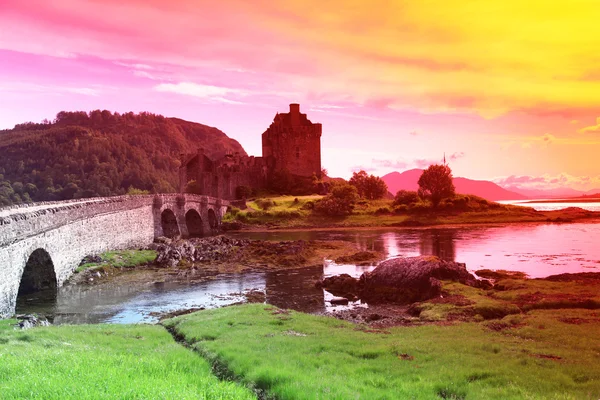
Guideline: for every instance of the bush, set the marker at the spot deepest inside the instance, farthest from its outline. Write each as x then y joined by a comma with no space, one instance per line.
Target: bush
405,197
134,191
368,186
383,210
265,204
402,208
309,205
340,202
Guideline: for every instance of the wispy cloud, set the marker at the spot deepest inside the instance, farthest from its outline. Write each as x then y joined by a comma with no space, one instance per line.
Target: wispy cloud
21,87
208,92
548,181
592,128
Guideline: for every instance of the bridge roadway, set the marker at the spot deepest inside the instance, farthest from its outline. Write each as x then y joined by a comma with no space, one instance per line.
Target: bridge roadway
43,243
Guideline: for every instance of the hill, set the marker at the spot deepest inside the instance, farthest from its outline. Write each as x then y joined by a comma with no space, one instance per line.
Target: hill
100,153
407,180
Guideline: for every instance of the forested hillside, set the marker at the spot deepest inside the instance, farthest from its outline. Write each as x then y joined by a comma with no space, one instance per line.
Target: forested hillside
99,153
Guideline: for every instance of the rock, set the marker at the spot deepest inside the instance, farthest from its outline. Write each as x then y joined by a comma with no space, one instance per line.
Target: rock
339,301
216,248
31,321
374,317
408,280
91,259
340,284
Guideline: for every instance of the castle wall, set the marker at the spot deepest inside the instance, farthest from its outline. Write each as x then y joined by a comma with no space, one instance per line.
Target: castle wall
297,150
292,143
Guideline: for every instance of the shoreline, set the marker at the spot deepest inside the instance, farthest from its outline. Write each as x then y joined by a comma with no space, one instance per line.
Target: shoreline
265,228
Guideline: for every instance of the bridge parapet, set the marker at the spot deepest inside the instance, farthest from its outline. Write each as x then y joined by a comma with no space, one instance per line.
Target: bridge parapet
68,231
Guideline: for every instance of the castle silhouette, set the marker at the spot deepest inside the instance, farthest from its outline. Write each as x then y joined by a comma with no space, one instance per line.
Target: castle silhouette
291,145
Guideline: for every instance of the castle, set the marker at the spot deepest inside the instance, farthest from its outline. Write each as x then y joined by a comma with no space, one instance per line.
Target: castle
292,144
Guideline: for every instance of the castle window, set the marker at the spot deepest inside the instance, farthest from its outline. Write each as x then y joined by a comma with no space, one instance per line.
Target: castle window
297,152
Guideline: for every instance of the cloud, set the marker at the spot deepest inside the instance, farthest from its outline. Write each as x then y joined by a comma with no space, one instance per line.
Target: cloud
394,164
24,87
84,91
456,156
345,51
413,133
526,145
574,122
548,138
357,168
547,181
145,74
401,164
593,128
208,92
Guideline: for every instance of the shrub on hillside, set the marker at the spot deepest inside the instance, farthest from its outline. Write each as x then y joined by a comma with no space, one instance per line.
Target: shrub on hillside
368,186
405,197
340,202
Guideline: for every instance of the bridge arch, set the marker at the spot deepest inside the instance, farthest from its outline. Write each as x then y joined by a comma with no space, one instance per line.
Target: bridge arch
39,273
168,221
193,222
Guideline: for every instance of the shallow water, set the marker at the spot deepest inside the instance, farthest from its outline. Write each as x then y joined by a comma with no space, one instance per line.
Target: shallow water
544,205
536,249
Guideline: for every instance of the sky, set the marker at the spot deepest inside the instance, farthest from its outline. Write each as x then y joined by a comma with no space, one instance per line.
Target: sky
509,91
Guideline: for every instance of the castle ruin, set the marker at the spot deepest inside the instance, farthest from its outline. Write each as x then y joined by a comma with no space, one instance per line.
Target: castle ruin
291,144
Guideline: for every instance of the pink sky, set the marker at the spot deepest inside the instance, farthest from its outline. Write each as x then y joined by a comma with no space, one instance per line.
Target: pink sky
509,91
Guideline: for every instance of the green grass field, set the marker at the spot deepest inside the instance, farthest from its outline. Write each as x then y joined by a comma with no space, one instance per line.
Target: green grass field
295,212
121,258
104,362
300,356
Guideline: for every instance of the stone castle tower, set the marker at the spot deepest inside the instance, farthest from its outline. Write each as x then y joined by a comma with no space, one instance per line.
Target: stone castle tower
293,143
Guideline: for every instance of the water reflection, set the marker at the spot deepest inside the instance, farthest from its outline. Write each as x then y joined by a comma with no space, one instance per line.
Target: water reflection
536,249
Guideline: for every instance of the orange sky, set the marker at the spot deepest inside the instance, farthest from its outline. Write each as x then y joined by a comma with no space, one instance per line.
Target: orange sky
511,89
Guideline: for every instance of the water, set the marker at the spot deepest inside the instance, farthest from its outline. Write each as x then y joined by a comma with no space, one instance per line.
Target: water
536,249
553,205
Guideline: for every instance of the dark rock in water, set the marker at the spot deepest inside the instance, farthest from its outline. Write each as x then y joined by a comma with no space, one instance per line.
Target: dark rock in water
407,280
339,301
30,321
339,284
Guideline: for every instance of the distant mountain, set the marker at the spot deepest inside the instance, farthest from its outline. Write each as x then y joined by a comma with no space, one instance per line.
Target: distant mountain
100,153
407,180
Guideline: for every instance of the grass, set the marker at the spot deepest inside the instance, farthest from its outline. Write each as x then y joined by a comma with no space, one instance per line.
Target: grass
291,212
300,356
121,259
104,362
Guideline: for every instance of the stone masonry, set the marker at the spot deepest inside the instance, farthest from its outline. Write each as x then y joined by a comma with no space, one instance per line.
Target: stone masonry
67,231
292,144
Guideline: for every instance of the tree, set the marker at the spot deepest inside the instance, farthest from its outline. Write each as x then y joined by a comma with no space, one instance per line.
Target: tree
368,186
436,183
340,202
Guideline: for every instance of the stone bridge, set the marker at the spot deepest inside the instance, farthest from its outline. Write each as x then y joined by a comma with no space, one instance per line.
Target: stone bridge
42,244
